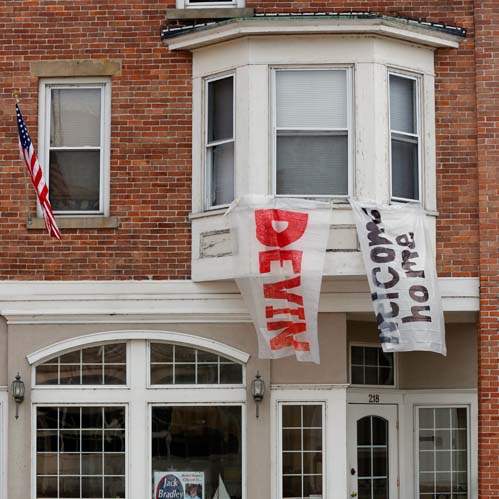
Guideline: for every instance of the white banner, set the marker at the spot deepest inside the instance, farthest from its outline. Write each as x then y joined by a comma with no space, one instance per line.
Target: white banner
396,248
279,259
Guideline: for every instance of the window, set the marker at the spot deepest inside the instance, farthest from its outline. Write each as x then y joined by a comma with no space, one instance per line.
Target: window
181,4
405,141
302,450
99,365
219,141
74,149
174,364
311,132
199,445
80,452
369,365
87,401
443,458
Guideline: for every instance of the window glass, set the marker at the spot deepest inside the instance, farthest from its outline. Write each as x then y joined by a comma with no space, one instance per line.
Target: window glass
100,365
198,450
443,452
80,452
371,366
404,138
75,148
302,450
311,129
220,141
174,364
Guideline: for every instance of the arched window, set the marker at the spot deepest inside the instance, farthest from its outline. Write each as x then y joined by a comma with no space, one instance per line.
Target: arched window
108,404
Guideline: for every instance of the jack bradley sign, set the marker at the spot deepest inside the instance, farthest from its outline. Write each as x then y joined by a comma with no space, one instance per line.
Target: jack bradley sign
401,272
279,259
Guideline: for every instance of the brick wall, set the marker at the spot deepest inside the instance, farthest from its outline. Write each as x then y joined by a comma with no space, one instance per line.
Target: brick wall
150,158
487,84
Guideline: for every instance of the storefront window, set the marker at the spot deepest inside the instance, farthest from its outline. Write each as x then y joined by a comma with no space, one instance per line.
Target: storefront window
197,452
80,452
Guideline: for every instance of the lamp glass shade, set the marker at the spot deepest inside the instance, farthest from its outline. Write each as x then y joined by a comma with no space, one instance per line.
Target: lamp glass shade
258,388
18,389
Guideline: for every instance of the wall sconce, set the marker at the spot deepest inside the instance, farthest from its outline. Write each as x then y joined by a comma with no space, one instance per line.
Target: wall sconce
18,389
257,390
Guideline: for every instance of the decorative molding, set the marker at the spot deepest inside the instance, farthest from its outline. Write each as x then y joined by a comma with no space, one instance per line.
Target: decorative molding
255,26
120,301
172,337
76,67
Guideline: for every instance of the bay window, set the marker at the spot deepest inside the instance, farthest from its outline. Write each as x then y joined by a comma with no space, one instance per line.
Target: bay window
219,141
405,138
311,132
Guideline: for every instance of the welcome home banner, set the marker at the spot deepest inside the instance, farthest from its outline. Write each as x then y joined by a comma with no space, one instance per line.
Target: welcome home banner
279,259
395,245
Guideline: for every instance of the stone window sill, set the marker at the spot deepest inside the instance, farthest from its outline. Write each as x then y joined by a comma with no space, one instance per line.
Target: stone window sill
76,223
207,13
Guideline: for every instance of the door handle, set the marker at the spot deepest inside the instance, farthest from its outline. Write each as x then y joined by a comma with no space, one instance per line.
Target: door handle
353,494
352,471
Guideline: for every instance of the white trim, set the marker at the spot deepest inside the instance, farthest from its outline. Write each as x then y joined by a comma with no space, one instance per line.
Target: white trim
172,337
4,440
76,302
104,84
334,399
391,28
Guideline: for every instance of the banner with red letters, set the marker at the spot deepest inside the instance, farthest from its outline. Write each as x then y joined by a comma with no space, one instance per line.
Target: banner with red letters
397,252
280,246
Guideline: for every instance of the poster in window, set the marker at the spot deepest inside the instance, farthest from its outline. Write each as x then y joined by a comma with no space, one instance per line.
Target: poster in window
178,485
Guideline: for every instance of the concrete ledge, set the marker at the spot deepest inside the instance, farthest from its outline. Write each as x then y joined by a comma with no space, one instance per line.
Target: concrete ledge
208,13
76,223
76,67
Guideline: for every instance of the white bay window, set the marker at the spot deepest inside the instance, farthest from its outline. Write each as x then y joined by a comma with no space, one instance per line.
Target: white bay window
405,138
311,132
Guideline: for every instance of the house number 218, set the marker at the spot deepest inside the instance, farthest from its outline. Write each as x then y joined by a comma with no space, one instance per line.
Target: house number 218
374,398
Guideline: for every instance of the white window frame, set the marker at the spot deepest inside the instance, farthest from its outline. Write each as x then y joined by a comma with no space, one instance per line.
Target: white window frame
333,398
44,116
138,396
468,438
206,144
349,129
418,80
371,345
35,406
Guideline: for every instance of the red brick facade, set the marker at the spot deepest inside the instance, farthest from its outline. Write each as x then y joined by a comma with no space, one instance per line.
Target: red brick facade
151,153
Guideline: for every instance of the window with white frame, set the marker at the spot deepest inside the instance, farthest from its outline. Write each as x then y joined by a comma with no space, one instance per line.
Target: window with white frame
82,445
442,452
312,132
369,365
74,146
220,141
80,452
302,450
405,138
181,4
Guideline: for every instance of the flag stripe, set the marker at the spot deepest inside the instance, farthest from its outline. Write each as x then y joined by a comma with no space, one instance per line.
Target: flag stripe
28,154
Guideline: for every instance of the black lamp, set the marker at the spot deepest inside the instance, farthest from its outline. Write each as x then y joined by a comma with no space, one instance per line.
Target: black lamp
257,390
18,389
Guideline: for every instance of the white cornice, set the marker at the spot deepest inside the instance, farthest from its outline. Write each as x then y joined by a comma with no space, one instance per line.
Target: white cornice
256,26
26,302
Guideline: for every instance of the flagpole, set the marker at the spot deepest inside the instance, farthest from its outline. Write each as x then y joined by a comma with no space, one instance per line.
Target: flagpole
16,95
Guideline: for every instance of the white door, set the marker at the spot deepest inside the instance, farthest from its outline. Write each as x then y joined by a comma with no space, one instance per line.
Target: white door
372,451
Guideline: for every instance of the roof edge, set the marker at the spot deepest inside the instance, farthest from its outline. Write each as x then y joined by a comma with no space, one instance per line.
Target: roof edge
196,36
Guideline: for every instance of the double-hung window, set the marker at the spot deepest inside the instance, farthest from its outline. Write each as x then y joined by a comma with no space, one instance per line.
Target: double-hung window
219,150
75,129
405,138
311,132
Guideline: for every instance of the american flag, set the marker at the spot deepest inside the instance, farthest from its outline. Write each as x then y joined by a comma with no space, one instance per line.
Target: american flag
28,154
